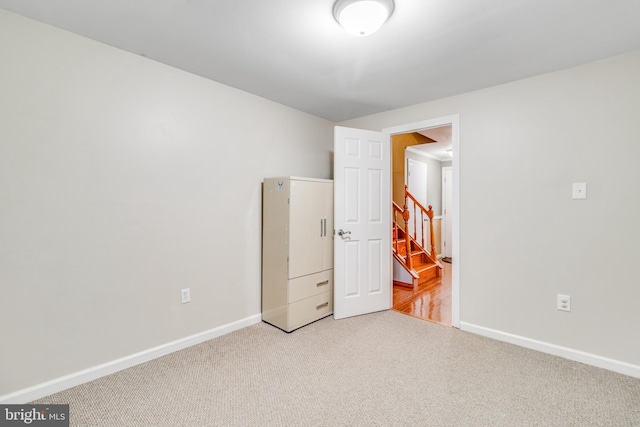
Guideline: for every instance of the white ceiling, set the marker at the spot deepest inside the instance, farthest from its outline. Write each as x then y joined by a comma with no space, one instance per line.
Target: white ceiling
442,145
294,52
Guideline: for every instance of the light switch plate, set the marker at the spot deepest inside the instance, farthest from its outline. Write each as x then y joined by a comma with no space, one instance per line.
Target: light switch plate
564,302
185,295
579,190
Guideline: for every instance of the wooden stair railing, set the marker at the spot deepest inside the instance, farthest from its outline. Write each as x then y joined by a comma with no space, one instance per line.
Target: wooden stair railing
403,239
410,241
417,207
397,231
396,210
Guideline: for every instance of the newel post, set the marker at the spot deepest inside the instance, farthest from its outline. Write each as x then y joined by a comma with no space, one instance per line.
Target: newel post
433,247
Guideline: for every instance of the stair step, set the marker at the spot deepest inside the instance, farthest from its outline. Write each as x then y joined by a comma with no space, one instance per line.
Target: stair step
427,273
424,267
420,262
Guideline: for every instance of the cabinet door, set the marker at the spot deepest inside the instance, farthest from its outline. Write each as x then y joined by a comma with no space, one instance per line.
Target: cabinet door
327,244
305,228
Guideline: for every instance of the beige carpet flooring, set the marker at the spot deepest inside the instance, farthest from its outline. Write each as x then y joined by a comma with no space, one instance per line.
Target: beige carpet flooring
382,369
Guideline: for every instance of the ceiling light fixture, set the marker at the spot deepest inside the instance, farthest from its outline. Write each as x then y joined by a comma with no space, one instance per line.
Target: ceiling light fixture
362,17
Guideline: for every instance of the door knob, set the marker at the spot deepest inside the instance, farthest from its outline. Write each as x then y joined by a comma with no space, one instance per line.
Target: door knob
343,233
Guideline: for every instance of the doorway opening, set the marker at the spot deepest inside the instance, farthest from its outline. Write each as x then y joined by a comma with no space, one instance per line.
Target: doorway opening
424,165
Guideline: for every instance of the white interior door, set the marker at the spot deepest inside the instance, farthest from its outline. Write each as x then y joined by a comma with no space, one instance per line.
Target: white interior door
416,181
362,220
447,210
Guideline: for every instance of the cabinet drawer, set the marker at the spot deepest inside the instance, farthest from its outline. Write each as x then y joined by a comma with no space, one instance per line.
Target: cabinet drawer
308,286
310,309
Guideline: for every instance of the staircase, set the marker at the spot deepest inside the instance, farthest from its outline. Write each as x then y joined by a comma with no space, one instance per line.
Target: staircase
409,250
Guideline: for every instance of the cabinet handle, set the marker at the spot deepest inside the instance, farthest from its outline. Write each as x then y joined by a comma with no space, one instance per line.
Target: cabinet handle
326,282
320,227
323,305
324,221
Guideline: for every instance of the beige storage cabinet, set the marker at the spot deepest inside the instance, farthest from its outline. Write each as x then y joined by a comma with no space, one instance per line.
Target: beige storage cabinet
297,251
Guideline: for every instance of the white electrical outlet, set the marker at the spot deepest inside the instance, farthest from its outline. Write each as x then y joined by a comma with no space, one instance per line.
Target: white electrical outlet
564,302
186,295
579,190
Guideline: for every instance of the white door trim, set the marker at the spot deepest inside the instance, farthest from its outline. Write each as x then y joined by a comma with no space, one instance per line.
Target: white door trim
454,121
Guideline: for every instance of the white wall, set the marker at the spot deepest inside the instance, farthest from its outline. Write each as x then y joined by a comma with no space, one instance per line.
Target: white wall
522,238
122,181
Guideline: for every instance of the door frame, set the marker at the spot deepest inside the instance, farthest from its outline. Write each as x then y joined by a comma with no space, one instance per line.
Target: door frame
454,121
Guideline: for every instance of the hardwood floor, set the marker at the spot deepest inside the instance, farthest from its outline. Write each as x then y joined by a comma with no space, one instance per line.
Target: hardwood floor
431,301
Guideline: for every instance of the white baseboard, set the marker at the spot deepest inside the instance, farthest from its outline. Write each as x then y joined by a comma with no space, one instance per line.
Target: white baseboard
56,385
556,350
